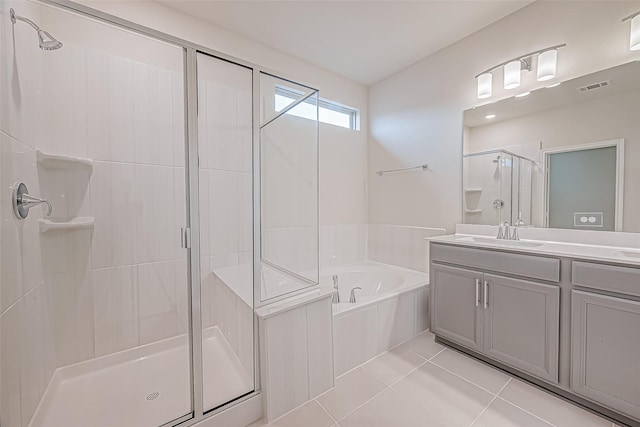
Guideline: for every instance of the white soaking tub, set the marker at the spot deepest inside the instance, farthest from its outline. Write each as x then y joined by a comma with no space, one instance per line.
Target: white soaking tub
392,307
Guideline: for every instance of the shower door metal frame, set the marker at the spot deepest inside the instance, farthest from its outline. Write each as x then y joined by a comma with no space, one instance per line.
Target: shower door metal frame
190,52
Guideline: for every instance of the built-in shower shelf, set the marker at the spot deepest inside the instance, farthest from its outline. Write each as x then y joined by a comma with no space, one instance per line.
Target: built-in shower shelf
78,223
473,211
54,161
473,190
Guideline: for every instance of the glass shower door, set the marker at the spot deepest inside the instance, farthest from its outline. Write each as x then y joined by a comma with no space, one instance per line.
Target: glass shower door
226,229
100,286
289,186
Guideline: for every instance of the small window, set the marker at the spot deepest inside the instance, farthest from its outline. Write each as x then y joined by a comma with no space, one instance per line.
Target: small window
328,111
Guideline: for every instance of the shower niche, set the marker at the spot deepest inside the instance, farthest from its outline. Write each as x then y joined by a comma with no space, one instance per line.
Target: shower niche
497,187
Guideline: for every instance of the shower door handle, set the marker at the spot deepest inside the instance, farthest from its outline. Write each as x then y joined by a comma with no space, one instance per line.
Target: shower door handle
185,238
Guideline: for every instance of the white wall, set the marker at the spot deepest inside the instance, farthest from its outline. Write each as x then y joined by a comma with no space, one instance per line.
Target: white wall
416,114
343,152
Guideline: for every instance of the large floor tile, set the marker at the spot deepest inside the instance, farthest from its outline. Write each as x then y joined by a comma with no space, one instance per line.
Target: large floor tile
423,345
310,414
443,395
390,408
548,407
351,390
482,375
503,414
389,367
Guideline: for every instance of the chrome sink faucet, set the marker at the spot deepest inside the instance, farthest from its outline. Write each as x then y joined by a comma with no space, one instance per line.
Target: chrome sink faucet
514,235
335,298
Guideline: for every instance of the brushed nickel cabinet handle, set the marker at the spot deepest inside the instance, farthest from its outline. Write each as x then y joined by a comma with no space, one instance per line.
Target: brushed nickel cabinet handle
486,293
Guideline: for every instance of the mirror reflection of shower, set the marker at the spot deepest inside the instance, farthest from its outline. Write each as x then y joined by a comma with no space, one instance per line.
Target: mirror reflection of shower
46,40
497,188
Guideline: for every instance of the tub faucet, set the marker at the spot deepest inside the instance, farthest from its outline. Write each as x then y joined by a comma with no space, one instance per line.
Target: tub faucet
352,298
335,298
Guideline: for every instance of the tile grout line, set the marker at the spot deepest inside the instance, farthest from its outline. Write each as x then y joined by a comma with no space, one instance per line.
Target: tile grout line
469,381
495,396
415,369
367,401
325,410
387,386
524,410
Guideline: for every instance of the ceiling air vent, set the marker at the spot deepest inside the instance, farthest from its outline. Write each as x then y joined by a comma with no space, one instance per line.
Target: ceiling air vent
594,86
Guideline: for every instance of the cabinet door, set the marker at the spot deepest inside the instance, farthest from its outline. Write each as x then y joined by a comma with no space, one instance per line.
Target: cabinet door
455,305
522,321
605,351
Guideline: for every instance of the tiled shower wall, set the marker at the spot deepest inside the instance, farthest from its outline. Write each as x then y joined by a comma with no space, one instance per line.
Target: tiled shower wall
389,244
67,296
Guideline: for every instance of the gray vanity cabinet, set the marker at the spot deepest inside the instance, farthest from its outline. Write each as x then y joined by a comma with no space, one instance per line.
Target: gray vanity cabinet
522,321
455,305
514,321
605,350
511,320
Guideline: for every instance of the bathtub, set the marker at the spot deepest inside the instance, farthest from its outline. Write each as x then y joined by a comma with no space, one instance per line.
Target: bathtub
391,308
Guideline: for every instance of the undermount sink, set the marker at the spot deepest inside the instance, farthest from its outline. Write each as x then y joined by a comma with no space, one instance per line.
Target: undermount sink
499,242
627,254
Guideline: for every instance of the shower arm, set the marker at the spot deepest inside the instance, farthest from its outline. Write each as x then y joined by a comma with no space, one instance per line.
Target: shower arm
15,18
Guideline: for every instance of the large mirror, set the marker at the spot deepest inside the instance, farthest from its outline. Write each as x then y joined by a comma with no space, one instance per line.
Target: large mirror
565,156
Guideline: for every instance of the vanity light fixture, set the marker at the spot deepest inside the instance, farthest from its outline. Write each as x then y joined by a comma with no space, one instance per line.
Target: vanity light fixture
490,116
547,63
634,37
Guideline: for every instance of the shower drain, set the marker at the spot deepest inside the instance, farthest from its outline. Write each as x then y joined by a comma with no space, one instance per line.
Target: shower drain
153,396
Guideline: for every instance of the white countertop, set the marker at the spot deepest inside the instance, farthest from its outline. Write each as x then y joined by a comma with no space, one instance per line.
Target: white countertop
617,254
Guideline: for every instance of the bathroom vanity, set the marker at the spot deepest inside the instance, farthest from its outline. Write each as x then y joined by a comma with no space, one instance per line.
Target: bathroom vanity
563,316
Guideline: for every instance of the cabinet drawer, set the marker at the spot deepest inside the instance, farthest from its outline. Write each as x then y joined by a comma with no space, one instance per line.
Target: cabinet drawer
613,278
535,267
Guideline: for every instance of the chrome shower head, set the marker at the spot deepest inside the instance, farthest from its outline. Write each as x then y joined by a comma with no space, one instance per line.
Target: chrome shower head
496,160
46,40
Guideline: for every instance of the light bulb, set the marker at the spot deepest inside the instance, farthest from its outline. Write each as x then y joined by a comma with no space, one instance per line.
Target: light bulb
634,41
485,82
512,75
547,62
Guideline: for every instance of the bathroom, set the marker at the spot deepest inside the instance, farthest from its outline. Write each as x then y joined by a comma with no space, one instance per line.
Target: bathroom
210,220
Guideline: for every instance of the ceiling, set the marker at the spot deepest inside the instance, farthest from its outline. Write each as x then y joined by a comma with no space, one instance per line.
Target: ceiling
362,40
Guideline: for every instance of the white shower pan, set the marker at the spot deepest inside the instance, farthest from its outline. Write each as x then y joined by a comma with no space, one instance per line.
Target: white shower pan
157,391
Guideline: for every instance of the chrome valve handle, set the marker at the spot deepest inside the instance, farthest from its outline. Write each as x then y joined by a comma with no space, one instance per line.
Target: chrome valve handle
23,201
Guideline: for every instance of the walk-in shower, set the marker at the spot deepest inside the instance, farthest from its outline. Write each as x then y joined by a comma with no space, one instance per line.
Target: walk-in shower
497,187
46,40
132,304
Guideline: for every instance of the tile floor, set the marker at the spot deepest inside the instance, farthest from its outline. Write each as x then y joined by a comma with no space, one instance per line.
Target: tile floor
421,383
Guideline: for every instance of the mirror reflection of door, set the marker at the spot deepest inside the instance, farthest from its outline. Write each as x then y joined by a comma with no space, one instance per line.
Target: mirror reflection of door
582,186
